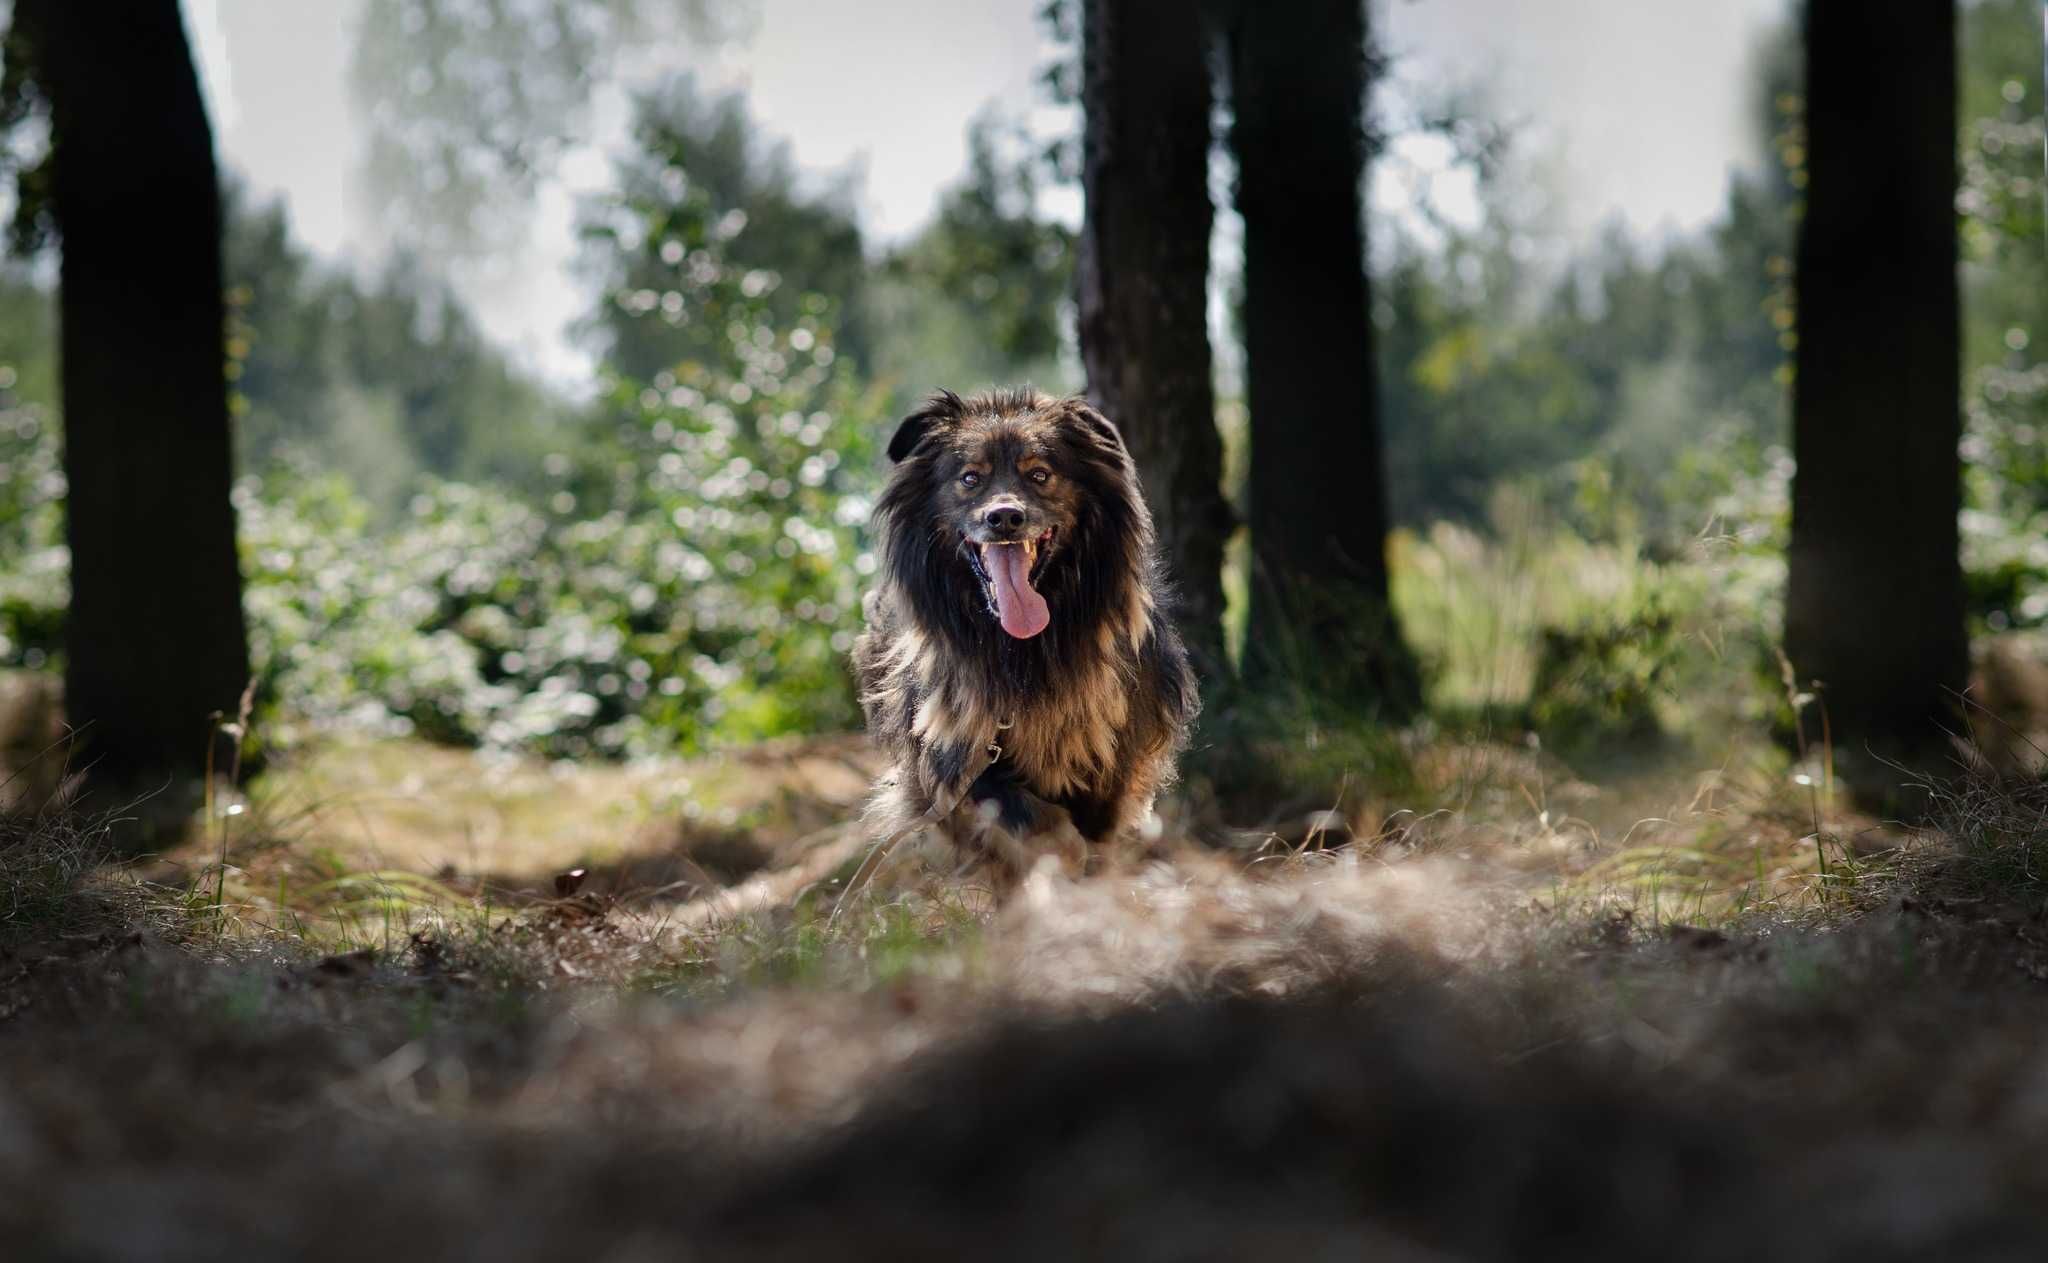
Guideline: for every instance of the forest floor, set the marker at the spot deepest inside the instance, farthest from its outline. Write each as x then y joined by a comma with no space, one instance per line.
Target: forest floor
460,1005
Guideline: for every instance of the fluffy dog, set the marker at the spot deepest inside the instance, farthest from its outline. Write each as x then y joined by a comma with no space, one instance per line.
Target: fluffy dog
1019,665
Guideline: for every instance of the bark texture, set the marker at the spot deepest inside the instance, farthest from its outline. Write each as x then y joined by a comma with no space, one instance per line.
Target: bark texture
155,642
1144,271
1874,600
1316,495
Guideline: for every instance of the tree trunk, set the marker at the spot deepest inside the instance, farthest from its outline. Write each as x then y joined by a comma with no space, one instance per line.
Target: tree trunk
155,643
1144,276
1874,598
1316,495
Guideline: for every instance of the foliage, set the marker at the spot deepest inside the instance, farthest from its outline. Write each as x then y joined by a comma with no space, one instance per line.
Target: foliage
25,152
33,559
754,462
1657,375
1642,399
692,579
709,157
692,576
1528,622
34,581
1466,400
383,380
984,294
1604,679
2005,401
471,102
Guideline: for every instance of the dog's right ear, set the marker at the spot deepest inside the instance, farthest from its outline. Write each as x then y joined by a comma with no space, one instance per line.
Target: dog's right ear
1086,418
939,411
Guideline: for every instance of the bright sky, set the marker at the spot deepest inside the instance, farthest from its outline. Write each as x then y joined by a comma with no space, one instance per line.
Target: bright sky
1641,100
1644,101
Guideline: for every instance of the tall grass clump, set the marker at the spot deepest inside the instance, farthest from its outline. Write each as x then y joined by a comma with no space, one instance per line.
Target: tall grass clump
49,863
1998,829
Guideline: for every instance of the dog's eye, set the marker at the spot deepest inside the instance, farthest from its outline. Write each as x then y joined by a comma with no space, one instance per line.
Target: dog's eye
970,479
1040,476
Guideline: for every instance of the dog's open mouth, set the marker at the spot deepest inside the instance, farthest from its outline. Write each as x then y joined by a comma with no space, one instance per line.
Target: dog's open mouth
1006,570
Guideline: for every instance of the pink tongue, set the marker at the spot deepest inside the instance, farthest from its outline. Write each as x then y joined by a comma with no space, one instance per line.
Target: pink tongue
1018,604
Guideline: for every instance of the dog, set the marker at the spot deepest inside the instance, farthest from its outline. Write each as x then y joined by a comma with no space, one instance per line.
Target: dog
1020,667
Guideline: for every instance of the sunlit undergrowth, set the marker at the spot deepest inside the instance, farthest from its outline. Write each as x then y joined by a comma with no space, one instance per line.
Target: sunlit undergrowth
728,875
1501,859
1536,628
683,572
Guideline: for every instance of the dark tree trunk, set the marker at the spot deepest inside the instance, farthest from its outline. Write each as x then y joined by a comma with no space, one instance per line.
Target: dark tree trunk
1874,599
1316,497
154,637
1144,274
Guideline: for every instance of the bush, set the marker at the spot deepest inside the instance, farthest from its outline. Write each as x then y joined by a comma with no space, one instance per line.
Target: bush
34,562
1604,679
692,577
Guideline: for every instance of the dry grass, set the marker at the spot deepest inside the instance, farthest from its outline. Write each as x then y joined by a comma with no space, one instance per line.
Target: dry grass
1690,1012
1477,607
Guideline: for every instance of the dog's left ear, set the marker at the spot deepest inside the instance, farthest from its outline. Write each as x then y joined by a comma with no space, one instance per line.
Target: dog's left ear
1083,417
941,409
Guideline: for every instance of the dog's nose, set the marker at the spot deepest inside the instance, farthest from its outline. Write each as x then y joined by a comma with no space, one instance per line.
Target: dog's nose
1005,519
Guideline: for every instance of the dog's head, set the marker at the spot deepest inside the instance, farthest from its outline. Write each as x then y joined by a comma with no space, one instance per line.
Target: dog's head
1019,491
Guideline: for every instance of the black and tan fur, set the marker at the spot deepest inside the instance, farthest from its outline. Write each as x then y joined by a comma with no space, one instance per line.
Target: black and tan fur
1097,705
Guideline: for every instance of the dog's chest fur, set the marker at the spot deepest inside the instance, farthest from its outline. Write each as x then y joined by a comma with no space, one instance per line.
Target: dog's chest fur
1061,743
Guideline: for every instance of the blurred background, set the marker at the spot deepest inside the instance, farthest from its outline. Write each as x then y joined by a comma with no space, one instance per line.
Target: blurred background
560,333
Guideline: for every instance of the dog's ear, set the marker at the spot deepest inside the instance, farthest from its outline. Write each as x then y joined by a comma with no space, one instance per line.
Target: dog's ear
1083,417
939,411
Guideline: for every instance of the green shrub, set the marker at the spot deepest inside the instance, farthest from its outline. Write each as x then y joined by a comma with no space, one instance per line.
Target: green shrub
34,563
1604,679
693,576
694,580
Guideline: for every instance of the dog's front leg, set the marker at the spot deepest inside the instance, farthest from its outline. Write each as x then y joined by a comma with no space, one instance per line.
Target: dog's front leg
1014,826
